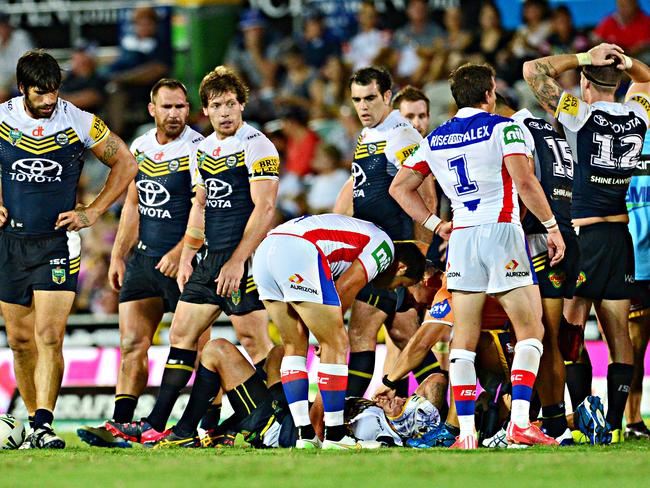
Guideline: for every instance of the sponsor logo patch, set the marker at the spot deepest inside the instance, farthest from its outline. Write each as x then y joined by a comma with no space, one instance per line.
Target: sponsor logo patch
266,167
512,265
58,275
62,139
15,136
512,134
235,297
98,129
383,256
569,104
440,310
296,278
556,278
581,279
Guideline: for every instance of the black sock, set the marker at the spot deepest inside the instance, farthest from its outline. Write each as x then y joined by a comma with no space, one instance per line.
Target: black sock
210,419
428,366
360,369
30,419
42,417
178,371
306,432
402,389
578,380
205,388
554,419
335,432
619,377
277,394
259,368
453,430
124,408
247,396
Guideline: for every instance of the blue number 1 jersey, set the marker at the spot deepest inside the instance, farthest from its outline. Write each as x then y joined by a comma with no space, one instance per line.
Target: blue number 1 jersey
41,162
638,208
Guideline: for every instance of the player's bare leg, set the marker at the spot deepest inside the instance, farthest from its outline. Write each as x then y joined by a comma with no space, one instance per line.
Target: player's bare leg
19,322
639,335
365,321
190,321
252,331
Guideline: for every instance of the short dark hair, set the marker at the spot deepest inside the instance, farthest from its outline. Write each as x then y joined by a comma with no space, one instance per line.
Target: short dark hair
469,83
410,255
410,94
221,80
365,76
38,69
603,78
170,83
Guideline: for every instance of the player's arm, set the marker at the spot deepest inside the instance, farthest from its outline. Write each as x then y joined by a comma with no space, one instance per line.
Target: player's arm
533,196
263,194
540,73
344,205
349,284
127,236
116,155
194,237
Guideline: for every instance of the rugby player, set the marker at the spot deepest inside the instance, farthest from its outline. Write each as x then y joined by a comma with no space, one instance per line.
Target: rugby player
413,105
43,140
295,269
554,168
236,185
386,140
481,162
153,221
606,140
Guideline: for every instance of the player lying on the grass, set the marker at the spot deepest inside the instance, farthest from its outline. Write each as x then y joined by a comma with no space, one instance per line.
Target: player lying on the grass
295,268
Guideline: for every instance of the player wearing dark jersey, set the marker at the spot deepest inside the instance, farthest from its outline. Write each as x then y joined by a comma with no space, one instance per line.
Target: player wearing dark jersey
606,140
385,141
554,169
236,185
152,225
42,143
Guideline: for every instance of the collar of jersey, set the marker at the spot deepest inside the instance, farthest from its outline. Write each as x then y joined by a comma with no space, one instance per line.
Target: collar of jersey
522,114
469,112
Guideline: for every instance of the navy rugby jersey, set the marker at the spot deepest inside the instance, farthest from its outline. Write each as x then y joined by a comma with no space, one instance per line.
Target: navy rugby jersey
606,140
378,156
41,162
164,184
225,168
553,167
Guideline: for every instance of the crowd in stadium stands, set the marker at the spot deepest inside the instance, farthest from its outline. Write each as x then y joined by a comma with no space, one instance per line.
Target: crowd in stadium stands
299,86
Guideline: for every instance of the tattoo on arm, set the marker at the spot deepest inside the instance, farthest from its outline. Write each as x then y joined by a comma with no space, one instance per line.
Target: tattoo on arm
110,149
546,89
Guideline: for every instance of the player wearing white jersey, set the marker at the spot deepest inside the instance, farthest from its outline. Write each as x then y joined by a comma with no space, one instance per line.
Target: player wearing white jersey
152,225
308,271
481,162
42,143
606,140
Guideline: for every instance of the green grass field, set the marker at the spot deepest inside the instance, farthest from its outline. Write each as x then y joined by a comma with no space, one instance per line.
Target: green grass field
79,465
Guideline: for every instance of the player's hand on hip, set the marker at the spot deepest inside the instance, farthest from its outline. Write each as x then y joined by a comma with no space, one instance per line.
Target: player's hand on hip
444,230
4,215
605,54
556,246
168,264
185,270
77,219
229,277
116,272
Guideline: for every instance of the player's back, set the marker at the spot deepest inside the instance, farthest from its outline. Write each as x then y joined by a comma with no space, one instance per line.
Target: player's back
466,155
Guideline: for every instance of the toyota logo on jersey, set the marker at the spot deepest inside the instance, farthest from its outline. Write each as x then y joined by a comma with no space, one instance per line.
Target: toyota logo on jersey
217,189
152,193
36,170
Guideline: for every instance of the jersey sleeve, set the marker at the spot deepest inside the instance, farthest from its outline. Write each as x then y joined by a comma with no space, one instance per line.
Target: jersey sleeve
511,139
419,159
377,256
639,103
572,112
401,144
92,129
262,160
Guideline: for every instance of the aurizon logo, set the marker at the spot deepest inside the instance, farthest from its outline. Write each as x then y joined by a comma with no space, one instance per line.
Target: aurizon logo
512,265
297,279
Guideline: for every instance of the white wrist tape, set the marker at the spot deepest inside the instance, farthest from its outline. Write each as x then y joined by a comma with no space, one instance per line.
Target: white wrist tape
584,59
550,223
628,62
431,222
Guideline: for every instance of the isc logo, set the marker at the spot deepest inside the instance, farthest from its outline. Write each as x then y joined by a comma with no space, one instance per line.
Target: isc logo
58,262
467,393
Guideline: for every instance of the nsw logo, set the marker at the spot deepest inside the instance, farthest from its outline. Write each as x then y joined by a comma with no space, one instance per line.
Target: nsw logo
36,170
152,193
440,309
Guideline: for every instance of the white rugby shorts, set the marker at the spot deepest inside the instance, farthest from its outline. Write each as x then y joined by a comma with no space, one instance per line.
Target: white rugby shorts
490,258
291,269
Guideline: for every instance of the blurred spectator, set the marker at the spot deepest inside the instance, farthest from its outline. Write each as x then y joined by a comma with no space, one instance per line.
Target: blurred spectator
365,46
298,76
491,43
329,90
416,36
565,39
13,43
82,85
326,182
629,27
317,43
142,60
301,140
533,32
